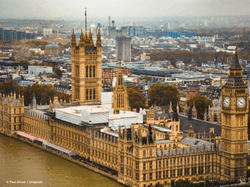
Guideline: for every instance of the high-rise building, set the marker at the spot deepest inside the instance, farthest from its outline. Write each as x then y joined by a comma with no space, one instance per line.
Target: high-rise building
1,34
20,35
8,35
13,35
234,114
123,48
170,25
47,31
86,67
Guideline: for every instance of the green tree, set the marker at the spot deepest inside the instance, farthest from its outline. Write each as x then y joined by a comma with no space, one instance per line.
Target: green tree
199,62
58,72
25,64
43,93
201,104
9,87
163,94
136,98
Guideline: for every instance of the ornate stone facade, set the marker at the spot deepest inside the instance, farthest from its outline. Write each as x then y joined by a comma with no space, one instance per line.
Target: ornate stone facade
86,67
120,95
234,114
11,113
142,155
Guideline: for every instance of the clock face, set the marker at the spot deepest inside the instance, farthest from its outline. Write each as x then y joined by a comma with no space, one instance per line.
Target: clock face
241,102
226,102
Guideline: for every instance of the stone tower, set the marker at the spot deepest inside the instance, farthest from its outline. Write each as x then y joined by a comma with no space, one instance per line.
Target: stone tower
120,96
194,112
86,67
11,113
137,149
234,114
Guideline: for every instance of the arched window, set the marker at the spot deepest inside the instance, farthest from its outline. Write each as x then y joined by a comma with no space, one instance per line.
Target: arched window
118,97
87,94
90,93
93,71
94,92
87,71
90,71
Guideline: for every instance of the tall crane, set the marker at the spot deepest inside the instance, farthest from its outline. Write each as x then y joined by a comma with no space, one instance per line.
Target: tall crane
215,58
222,64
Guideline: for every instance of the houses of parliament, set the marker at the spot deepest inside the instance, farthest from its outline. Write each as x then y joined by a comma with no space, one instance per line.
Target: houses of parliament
111,135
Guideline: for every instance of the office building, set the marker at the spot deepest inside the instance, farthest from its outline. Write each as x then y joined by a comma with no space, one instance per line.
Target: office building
123,48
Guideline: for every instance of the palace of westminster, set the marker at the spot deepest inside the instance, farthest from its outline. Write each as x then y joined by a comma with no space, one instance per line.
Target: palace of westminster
110,135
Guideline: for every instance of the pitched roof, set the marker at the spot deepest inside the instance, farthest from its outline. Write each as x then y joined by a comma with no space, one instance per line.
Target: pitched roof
199,125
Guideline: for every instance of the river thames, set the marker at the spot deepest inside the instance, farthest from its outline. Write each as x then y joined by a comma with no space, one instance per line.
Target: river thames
16,169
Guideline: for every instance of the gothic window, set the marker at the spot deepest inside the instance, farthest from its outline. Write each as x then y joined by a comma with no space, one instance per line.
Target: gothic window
137,164
87,71
118,98
14,111
93,71
144,153
144,165
87,94
90,71
122,170
122,100
90,94
19,110
150,165
94,93
77,93
77,71
137,176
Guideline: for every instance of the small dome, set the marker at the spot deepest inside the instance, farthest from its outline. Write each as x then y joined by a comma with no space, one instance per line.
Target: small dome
52,46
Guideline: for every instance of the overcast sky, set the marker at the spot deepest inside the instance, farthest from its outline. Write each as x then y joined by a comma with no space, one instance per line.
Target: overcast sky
71,9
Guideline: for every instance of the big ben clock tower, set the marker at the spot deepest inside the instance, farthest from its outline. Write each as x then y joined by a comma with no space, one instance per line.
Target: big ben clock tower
234,114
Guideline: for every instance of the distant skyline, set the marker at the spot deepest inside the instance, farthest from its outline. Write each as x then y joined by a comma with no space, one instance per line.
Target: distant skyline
65,9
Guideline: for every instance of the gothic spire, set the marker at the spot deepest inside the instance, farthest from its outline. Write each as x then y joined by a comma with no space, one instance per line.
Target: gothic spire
81,36
235,73
235,63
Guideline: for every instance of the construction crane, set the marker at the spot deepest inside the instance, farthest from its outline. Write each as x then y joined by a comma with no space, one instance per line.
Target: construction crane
215,58
222,63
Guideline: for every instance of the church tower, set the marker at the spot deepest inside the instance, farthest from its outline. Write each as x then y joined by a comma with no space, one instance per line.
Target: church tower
86,67
120,95
234,113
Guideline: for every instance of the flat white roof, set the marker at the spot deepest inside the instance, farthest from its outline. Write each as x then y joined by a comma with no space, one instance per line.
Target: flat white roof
91,108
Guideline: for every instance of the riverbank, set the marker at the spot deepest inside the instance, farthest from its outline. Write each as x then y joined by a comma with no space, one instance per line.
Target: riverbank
85,165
